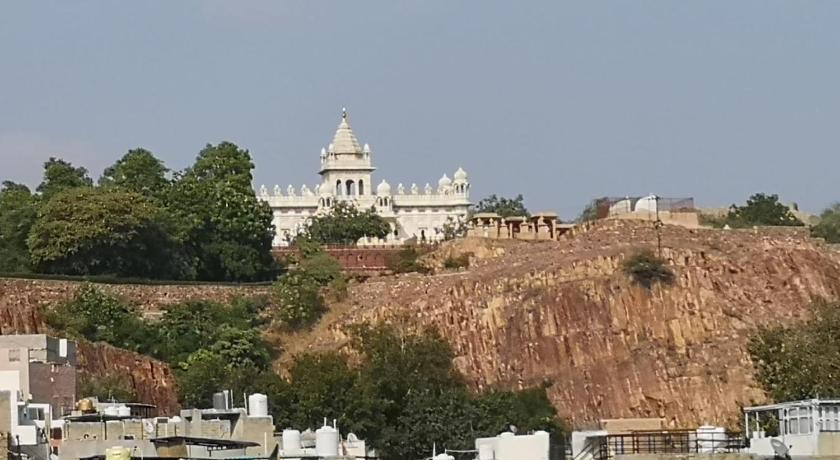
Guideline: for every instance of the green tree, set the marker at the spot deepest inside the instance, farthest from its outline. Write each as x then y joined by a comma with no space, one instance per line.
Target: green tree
92,231
645,268
326,386
404,394
759,210
222,224
61,175
238,361
99,317
504,207
187,327
137,171
299,299
829,226
201,375
18,211
299,293
800,361
345,224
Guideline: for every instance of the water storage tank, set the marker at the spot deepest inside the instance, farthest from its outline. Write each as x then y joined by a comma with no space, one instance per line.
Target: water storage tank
123,411
710,439
485,452
326,441
258,405
118,453
506,447
219,401
112,410
291,441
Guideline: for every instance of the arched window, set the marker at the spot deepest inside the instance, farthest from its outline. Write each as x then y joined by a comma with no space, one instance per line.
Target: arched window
338,188
361,187
351,187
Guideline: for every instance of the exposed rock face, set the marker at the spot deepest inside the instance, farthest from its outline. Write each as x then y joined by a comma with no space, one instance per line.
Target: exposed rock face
21,303
565,312
152,380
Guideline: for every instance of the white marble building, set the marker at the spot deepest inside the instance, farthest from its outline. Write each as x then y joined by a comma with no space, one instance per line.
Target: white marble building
346,175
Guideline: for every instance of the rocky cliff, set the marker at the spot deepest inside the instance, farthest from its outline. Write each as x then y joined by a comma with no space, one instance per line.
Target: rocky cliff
564,312
21,307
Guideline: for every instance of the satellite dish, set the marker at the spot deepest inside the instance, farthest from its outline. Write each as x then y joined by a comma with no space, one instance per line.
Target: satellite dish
780,449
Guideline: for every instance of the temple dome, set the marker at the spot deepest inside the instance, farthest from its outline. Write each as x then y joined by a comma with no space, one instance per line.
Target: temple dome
383,188
460,175
444,181
345,141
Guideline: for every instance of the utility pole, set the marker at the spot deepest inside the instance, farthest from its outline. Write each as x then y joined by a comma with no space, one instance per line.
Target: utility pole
658,226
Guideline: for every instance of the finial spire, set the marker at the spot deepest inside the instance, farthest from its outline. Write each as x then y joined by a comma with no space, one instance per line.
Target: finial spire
344,113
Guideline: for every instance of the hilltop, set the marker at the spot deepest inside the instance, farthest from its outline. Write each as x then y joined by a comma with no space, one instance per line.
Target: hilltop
564,312
561,312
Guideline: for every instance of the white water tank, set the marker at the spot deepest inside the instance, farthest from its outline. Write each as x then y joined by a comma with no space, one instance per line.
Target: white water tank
258,405
118,453
112,410
710,439
485,452
123,411
326,441
291,441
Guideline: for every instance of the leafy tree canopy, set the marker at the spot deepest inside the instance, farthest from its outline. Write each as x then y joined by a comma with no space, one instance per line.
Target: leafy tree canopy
61,175
645,268
298,293
800,361
96,316
829,225
403,395
93,231
223,225
504,207
211,346
137,171
18,211
227,163
759,210
345,224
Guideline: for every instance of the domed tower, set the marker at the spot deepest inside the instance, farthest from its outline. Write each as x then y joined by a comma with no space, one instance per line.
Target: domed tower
383,195
461,182
444,184
346,168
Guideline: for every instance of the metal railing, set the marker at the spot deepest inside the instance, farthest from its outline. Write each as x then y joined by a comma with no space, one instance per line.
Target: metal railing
668,442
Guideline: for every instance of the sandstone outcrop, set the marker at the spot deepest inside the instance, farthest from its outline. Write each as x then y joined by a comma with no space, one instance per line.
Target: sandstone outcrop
21,312
152,380
564,312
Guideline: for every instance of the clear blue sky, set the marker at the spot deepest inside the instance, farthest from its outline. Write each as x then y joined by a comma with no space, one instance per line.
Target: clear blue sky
559,101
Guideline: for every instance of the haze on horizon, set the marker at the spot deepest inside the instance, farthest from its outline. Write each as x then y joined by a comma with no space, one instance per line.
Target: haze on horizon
559,101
